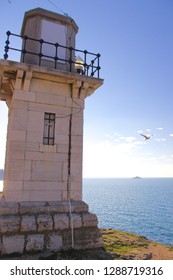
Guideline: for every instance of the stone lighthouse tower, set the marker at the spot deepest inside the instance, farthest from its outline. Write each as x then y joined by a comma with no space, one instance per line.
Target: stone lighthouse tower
45,92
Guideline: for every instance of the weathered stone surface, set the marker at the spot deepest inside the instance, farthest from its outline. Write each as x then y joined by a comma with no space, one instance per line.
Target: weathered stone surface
44,222
67,239
79,206
35,242
58,206
64,206
89,238
54,242
8,209
47,225
13,244
28,223
9,223
89,220
37,207
61,221
75,221
31,207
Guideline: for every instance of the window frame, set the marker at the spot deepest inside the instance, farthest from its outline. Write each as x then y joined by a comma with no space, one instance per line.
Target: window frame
49,129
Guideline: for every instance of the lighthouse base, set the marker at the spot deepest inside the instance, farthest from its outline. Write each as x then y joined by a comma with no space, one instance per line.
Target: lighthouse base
31,227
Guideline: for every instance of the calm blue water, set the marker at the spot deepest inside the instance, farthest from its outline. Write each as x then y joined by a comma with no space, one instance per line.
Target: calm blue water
141,206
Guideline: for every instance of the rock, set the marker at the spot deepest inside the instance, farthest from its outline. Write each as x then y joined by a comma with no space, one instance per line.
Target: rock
13,244
35,243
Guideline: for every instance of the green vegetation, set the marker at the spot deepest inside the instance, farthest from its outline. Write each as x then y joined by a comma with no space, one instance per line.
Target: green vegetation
171,248
123,244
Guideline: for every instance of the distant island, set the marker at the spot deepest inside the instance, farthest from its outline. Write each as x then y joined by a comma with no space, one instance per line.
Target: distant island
136,177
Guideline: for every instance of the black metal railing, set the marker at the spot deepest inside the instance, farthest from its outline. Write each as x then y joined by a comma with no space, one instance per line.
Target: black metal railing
88,65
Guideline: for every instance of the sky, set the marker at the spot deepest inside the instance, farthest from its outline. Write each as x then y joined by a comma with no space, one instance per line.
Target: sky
134,38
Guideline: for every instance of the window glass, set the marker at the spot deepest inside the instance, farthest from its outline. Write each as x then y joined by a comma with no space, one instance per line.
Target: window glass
49,129
54,33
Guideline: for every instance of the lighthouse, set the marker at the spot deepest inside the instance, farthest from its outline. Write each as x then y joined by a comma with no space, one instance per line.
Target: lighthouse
45,93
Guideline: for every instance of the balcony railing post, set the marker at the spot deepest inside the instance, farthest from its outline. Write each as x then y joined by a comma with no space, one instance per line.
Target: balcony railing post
92,68
98,65
24,48
85,62
56,54
6,49
70,59
40,53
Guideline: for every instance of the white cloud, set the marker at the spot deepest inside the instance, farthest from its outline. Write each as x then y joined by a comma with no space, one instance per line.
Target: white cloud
171,134
160,139
116,137
116,134
159,128
128,139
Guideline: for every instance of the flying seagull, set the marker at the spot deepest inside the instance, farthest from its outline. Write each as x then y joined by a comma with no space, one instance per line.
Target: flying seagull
146,137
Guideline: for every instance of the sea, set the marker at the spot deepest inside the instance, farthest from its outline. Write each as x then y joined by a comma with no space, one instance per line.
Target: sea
140,206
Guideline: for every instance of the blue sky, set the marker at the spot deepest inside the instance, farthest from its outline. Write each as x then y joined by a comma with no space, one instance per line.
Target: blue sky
134,38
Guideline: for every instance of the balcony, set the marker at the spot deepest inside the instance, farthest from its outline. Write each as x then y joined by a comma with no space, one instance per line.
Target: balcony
53,55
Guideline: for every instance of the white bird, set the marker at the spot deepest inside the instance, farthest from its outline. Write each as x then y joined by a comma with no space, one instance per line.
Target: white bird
146,137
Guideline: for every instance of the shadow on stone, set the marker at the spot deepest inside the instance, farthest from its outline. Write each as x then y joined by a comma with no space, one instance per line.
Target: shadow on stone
97,254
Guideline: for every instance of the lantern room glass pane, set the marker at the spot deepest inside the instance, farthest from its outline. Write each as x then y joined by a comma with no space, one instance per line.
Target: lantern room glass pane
53,33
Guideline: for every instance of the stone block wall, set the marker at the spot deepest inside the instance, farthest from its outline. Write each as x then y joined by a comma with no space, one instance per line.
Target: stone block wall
31,165
35,170
29,227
